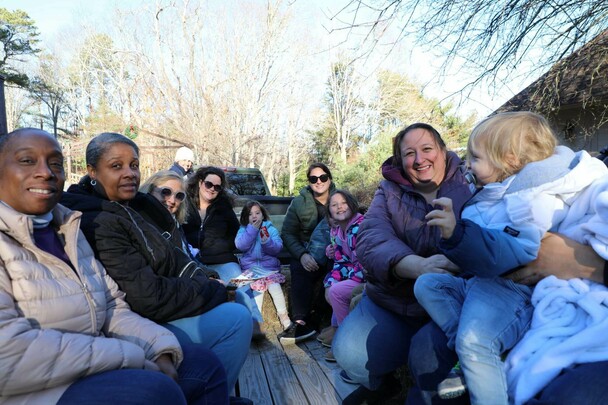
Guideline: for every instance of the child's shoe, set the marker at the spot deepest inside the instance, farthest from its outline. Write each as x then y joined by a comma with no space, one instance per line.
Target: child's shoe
285,321
329,357
327,338
454,385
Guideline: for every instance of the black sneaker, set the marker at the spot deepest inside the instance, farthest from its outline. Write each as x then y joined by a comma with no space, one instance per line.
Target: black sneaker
296,333
389,388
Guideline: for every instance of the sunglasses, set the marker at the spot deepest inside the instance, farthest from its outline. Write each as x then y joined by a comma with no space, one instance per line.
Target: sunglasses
209,185
314,179
167,192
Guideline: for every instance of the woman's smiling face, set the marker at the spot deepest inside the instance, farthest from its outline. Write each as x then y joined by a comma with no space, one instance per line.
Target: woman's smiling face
31,172
171,202
423,160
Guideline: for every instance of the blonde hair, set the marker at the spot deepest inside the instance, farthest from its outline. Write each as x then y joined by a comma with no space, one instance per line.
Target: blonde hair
162,177
524,135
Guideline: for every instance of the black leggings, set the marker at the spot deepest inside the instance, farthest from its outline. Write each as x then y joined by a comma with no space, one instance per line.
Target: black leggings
306,291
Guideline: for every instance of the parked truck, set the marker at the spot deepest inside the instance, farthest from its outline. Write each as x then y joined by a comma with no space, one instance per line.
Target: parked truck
249,184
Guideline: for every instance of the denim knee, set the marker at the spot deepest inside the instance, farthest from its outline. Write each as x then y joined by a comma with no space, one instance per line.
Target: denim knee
423,284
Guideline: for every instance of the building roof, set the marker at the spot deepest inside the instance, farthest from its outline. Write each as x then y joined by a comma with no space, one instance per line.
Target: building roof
581,79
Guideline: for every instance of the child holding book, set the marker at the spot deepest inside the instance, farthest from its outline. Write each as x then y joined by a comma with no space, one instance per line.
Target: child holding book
261,243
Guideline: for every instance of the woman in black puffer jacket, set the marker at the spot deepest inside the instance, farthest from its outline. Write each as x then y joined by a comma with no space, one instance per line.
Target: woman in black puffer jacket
145,265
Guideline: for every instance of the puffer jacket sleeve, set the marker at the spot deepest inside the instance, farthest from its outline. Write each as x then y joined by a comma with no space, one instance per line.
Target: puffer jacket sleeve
158,295
290,232
246,237
274,244
124,324
49,357
379,248
496,252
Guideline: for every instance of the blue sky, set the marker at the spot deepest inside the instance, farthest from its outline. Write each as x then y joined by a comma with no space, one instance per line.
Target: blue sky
51,16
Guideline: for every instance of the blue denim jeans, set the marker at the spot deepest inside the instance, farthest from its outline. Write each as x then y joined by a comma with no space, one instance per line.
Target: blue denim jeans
226,330
482,318
202,380
372,342
244,295
430,360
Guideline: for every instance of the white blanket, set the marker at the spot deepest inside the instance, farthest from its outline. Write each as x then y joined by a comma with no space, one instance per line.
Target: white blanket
569,326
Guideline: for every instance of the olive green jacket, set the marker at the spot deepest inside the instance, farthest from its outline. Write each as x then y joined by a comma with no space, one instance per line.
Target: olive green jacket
300,221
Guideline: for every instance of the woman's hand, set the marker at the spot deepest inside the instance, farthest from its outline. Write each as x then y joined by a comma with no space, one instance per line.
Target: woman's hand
443,217
564,258
165,365
308,262
413,266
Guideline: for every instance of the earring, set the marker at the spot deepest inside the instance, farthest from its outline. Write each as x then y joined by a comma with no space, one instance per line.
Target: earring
93,182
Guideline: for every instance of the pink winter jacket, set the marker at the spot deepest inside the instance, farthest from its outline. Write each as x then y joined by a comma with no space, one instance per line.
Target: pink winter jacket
58,324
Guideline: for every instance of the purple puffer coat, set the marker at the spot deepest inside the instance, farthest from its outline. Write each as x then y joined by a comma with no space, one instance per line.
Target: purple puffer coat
394,227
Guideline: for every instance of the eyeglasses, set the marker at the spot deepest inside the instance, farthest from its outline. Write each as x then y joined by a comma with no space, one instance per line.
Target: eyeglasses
314,179
167,192
209,185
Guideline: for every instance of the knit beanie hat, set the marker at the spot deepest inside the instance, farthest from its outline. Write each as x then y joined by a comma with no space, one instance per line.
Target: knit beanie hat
184,153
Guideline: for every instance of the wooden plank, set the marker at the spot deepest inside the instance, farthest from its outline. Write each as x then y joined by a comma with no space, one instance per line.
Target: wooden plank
313,380
282,381
252,379
331,370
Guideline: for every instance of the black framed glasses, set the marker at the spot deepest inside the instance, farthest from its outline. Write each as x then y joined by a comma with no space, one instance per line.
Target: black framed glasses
209,185
167,192
314,179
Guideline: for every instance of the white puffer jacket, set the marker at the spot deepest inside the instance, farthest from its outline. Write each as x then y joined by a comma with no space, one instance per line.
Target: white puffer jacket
58,324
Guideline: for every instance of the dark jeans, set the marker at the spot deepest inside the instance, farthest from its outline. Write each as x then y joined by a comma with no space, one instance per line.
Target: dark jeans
372,342
202,380
306,291
430,360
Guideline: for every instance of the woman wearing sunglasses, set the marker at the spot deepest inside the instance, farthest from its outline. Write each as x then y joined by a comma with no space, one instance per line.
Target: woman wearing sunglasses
168,188
303,215
154,272
214,229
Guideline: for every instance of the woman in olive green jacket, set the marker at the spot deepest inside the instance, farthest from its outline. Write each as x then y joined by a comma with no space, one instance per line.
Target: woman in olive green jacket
303,215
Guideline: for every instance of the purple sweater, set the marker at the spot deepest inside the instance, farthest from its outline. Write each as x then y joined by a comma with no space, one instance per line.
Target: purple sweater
395,227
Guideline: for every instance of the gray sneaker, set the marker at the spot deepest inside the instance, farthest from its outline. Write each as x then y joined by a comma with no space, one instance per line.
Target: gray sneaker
454,385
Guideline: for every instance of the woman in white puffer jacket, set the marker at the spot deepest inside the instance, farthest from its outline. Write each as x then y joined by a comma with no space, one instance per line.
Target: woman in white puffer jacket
66,333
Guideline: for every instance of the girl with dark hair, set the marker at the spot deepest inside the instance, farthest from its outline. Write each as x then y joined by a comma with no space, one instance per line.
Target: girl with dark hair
303,215
260,243
347,272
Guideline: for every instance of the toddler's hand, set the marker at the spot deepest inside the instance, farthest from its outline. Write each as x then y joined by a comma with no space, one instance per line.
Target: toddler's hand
443,217
257,223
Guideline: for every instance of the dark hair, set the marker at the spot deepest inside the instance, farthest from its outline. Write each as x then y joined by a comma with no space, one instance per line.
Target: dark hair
247,209
351,201
320,166
397,158
199,175
102,142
